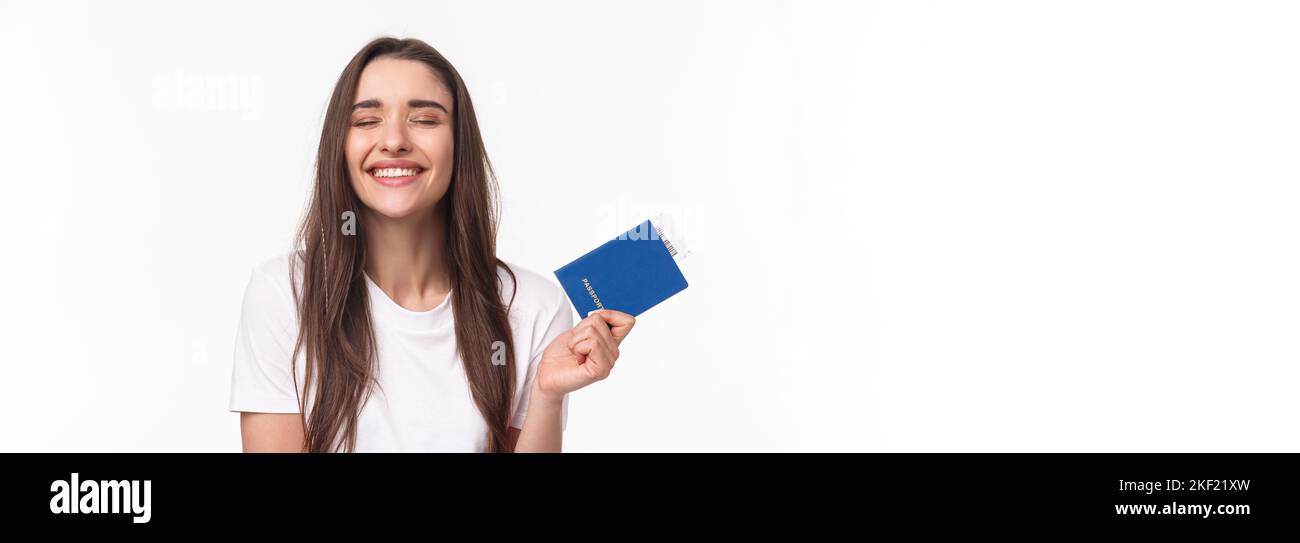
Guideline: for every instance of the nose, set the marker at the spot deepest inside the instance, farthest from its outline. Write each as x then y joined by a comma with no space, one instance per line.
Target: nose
396,141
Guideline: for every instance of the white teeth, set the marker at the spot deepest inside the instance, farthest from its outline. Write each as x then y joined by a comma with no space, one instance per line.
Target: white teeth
394,172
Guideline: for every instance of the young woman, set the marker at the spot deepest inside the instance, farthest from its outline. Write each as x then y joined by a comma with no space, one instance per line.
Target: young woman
394,326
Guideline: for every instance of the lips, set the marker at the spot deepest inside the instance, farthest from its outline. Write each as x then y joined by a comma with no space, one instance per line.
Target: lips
394,173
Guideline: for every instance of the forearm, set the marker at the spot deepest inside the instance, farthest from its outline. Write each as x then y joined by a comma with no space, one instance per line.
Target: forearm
541,431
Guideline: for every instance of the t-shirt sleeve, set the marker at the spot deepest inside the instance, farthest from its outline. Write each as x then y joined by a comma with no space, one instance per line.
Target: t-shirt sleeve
262,379
552,323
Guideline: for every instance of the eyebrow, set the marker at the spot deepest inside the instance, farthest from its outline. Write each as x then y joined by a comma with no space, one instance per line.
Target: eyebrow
415,103
426,103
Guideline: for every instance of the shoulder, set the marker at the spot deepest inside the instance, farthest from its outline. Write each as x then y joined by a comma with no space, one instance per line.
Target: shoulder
271,283
529,292
539,310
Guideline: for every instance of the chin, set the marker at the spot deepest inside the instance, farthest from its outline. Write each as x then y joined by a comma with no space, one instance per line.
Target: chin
396,205
399,211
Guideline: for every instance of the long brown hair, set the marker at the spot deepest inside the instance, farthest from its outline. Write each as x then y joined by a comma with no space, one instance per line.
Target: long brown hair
336,331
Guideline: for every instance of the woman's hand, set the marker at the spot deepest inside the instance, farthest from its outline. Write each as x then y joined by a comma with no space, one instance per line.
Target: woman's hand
583,355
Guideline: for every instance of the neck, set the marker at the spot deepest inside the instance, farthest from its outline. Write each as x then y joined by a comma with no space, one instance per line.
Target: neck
406,258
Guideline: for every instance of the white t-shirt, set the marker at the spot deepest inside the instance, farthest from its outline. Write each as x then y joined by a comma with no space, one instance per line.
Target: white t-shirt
423,402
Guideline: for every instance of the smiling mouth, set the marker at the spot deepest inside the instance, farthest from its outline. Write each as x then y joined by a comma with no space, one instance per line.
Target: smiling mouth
394,177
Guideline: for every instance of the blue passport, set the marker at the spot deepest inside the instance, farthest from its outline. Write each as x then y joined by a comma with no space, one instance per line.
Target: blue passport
631,273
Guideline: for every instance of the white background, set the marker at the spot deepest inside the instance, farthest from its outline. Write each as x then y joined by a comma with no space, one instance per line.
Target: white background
917,226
